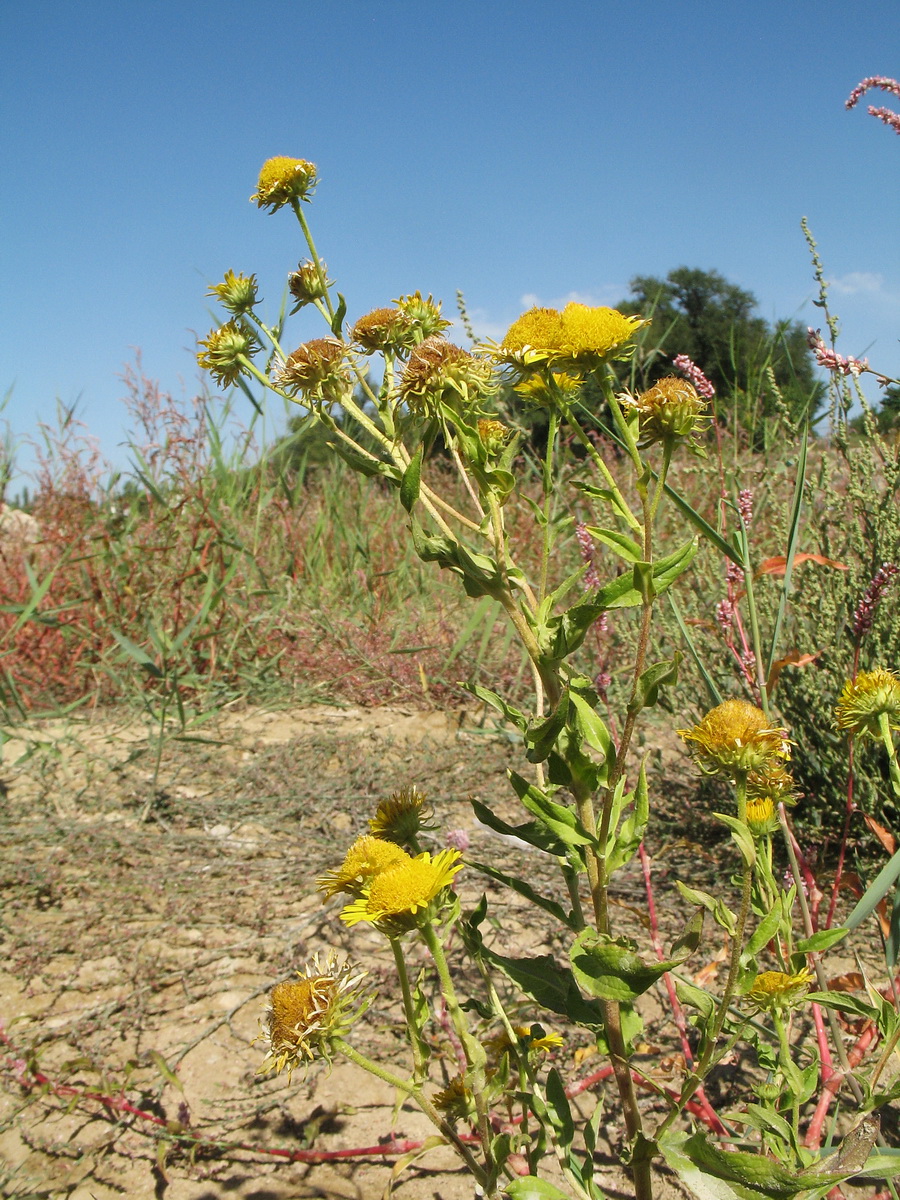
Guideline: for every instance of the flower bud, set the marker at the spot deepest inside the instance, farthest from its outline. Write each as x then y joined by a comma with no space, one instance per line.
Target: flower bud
866,699
305,284
226,347
237,293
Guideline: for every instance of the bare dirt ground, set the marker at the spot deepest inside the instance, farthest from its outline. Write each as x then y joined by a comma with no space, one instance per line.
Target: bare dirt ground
136,953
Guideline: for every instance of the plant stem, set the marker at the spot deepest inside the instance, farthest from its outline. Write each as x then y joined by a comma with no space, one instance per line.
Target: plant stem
416,1094
409,1010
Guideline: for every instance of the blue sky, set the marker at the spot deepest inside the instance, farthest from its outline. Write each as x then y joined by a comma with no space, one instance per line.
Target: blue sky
523,152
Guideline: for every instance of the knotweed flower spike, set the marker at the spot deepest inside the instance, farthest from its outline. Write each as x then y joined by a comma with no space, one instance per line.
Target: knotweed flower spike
305,284
890,118
578,339
865,610
402,817
316,369
688,367
668,411
399,898
866,699
226,347
830,359
365,859
237,293
282,180
439,371
777,990
736,738
306,1015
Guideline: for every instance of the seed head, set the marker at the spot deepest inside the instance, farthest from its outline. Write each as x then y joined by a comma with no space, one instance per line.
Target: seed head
735,738
316,369
384,329
305,284
865,699
282,180
225,348
306,1015
669,410
439,371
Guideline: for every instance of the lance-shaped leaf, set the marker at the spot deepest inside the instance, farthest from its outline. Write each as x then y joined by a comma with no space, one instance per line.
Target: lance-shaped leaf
611,969
411,482
533,833
550,985
560,820
663,674
514,715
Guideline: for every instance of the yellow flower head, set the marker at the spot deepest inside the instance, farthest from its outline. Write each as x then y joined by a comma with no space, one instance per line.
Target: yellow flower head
424,317
237,292
580,337
305,284
306,1014
438,370
494,435
363,861
402,817
532,1038
316,369
761,816
282,180
397,899
225,348
775,989
669,410
864,700
771,782
535,389
735,738
383,329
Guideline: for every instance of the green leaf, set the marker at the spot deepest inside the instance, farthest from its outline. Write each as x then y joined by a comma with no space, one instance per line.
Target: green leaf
764,932
820,941
663,674
541,738
526,890
409,484
875,892
530,1187
695,997
588,723
337,321
611,969
559,820
550,985
624,546
533,833
742,836
513,715
141,657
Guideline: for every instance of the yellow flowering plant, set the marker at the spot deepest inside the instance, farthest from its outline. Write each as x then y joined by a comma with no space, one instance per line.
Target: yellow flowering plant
587,801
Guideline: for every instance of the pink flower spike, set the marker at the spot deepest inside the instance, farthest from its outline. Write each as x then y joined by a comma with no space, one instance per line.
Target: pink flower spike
689,368
873,81
890,118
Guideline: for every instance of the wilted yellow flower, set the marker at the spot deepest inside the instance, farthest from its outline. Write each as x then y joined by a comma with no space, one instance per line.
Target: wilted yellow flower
401,896
775,989
424,317
225,348
282,180
438,370
735,738
305,284
580,337
532,1036
363,861
316,369
535,389
237,292
383,329
772,782
455,1101
306,1014
865,699
670,409
401,817
494,435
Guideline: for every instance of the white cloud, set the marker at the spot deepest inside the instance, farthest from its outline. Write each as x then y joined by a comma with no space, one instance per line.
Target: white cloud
855,282
608,293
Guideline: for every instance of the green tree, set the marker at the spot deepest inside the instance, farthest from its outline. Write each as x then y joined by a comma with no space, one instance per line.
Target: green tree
758,369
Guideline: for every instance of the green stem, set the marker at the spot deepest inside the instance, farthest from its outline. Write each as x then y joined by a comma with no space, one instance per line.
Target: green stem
296,205
887,736
473,1050
416,1094
552,430
415,1039
619,503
